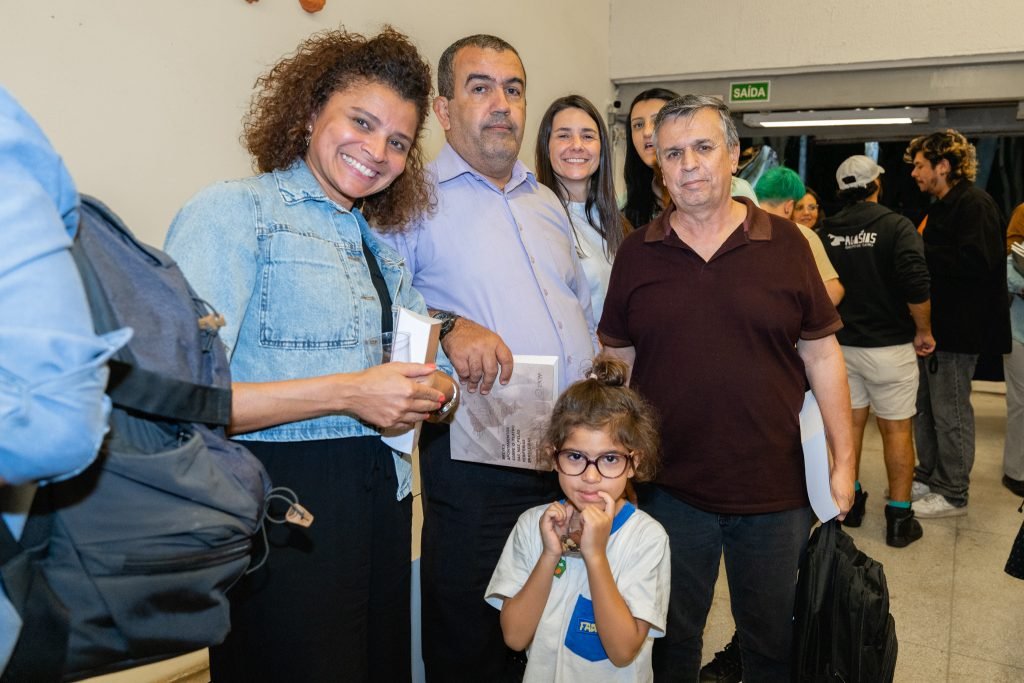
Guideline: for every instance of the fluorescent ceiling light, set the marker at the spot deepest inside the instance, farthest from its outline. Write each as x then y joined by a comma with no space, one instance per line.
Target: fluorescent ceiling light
839,117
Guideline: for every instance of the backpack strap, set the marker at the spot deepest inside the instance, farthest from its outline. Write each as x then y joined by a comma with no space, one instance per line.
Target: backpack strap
130,386
152,393
41,650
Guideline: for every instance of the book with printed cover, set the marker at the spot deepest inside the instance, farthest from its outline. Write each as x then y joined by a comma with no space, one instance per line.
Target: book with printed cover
505,426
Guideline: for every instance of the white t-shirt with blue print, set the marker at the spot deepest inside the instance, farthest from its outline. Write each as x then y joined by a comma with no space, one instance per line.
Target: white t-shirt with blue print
566,646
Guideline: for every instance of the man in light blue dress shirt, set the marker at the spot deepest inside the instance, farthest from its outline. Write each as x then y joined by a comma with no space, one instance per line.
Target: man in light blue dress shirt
498,253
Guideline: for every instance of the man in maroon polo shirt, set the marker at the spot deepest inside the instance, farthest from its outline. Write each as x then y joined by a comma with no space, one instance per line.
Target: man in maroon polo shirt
720,310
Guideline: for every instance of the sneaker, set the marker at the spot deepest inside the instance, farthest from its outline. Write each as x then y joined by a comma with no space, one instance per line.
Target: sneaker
1016,486
935,505
856,514
901,529
918,490
726,667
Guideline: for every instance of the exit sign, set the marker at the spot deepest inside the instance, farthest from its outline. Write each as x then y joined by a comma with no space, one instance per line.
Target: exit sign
754,91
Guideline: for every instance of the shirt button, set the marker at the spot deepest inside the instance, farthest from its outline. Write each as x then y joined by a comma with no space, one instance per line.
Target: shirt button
545,292
533,260
559,324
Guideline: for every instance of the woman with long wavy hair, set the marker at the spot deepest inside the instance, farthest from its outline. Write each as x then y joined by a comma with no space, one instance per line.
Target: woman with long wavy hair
574,159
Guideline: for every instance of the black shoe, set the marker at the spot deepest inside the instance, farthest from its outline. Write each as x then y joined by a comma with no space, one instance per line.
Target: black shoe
901,529
1016,486
726,667
856,514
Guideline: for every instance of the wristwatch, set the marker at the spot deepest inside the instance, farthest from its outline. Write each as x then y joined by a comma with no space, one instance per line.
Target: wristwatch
447,319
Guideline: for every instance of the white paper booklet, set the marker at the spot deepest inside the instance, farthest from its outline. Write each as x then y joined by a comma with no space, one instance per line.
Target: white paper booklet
819,485
424,338
505,426
1017,252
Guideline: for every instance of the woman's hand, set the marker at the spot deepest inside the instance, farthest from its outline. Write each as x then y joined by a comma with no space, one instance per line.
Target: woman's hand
396,395
444,383
553,525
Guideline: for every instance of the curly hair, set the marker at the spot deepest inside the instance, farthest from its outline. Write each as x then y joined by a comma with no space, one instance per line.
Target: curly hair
295,90
603,401
950,145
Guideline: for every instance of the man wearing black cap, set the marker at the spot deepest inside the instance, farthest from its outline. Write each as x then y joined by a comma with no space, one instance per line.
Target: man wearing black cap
887,325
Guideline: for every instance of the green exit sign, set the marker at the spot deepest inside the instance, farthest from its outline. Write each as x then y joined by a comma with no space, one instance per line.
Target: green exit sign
754,91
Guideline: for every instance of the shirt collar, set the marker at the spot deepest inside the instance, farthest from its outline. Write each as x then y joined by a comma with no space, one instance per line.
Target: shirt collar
954,192
757,225
297,183
449,165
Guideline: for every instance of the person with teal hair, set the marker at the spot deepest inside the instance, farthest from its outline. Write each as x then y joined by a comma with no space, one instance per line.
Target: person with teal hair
778,191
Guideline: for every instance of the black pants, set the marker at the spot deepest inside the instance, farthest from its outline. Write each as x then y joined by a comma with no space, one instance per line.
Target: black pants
469,512
332,601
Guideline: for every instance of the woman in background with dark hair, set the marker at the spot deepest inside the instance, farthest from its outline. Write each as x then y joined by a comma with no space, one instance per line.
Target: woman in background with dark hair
644,191
574,160
808,212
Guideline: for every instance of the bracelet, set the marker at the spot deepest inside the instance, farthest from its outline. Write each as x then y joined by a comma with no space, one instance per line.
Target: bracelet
443,411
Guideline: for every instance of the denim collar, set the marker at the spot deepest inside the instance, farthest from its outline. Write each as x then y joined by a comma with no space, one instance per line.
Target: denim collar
297,184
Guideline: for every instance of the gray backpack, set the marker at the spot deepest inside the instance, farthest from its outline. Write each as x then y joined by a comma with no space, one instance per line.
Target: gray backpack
129,562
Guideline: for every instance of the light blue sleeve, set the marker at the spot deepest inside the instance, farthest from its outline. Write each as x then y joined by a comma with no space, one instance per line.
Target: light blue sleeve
53,410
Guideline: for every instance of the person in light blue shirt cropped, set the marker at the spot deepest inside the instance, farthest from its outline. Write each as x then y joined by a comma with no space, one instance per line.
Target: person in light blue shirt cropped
497,253
306,287
53,373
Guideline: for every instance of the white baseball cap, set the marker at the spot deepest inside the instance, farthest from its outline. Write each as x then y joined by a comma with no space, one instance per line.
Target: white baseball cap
857,171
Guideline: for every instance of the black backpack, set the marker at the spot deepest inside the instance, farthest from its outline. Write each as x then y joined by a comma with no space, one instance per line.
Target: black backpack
843,628
129,562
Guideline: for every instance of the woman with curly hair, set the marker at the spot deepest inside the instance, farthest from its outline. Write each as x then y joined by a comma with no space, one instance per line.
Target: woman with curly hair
289,259
574,159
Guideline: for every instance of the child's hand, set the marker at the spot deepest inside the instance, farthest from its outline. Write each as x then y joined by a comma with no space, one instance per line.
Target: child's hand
597,526
553,525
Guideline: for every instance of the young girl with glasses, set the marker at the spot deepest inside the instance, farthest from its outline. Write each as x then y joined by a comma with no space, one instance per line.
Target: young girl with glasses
583,583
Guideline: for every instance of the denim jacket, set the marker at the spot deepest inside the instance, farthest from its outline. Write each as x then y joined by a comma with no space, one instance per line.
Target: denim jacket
284,264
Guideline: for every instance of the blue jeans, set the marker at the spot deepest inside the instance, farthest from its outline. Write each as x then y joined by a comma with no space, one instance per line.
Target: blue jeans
944,427
762,556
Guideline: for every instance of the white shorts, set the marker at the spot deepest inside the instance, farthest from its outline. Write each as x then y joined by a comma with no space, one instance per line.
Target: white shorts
883,377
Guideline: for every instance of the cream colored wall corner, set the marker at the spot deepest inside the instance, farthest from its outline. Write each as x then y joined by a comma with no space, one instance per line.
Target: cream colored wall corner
145,99
692,40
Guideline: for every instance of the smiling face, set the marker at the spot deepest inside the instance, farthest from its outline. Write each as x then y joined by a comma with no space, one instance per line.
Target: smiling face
582,490
641,127
575,150
483,120
929,178
360,141
806,211
696,162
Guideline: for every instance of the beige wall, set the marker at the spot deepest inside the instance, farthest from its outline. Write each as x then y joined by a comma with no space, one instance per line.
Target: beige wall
691,39
144,99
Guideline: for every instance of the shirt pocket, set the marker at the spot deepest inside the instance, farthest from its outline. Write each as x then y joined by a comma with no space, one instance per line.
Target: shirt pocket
311,291
581,636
